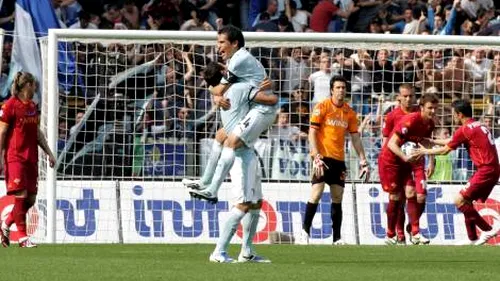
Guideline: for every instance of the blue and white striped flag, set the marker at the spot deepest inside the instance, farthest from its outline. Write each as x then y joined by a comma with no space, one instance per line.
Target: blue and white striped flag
33,20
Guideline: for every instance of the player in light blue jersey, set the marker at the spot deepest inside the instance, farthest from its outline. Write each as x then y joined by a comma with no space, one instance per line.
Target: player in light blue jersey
241,66
246,185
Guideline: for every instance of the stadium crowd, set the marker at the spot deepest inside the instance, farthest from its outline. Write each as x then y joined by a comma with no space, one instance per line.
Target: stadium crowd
168,82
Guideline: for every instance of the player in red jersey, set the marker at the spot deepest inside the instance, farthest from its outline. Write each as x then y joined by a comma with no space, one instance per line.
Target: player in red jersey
482,151
393,163
414,186
19,141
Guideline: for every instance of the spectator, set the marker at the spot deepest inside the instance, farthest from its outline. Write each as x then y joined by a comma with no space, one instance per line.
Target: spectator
197,22
78,120
298,18
86,21
493,74
370,130
284,25
320,80
283,130
322,14
494,96
417,23
443,169
437,23
472,7
478,66
130,14
271,11
295,69
383,71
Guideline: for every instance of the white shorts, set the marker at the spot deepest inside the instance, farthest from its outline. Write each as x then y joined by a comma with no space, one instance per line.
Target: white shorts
246,181
253,125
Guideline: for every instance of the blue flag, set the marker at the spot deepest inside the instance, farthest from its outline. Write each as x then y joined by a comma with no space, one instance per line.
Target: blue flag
33,20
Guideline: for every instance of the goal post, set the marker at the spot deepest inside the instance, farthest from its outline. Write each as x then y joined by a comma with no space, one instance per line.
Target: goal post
151,204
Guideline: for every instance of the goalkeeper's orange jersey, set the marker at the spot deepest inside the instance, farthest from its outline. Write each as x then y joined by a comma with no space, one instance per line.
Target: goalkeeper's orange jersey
332,123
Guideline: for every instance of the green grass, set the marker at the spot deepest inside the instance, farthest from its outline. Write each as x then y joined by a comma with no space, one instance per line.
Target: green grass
305,263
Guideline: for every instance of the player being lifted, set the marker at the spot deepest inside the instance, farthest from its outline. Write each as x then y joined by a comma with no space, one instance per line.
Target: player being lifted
481,147
19,141
330,121
414,187
247,182
241,66
393,163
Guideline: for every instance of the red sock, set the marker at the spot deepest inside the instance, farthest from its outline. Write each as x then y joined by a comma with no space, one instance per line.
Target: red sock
400,223
392,217
10,219
471,214
413,214
421,209
19,213
471,229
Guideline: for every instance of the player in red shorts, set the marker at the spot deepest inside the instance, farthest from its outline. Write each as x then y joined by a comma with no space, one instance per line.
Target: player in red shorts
482,151
19,141
393,163
414,187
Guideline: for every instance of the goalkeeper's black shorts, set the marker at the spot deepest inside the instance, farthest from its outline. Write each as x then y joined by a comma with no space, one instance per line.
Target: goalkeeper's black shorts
335,174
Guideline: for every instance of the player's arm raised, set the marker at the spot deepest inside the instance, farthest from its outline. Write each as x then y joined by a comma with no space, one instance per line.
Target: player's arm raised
42,142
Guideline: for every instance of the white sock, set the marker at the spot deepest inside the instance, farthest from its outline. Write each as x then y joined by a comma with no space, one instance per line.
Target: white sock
215,153
250,223
224,164
229,230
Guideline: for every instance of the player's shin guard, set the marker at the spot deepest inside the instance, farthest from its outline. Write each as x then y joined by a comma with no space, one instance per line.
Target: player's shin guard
414,215
221,171
229,229
209,172
309,216
471,214
336,215
249,223
19,213
392,216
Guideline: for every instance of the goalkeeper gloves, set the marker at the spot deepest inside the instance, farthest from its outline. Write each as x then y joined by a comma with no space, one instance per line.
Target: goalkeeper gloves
319,166
364,172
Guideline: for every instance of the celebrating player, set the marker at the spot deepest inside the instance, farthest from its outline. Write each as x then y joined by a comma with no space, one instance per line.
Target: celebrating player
481,148
19,141
245,175
330,121
414,187
393,164
242,66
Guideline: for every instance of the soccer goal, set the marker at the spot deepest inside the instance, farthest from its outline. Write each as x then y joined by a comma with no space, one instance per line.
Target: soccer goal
130,116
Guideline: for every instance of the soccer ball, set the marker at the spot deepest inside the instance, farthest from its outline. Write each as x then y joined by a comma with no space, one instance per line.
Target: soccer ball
408,147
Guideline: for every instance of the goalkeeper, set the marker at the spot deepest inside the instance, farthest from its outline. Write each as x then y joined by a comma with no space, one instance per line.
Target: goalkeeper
330,121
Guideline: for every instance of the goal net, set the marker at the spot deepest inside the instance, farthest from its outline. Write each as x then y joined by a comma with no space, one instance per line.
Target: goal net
136,118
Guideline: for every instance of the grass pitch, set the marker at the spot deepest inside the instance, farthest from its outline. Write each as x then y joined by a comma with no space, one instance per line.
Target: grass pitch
190,262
